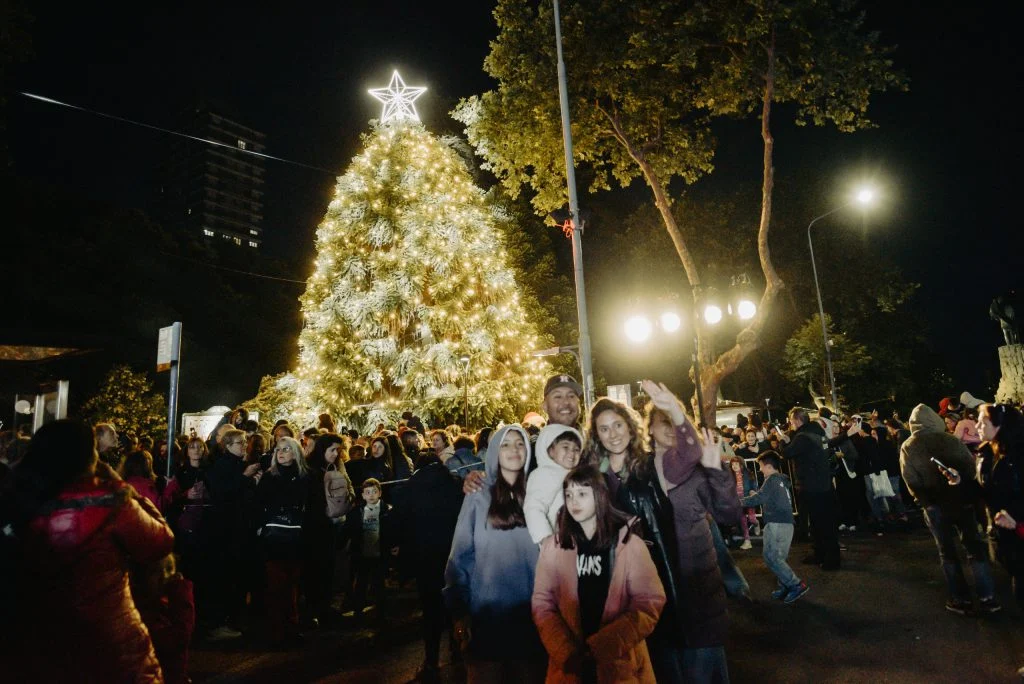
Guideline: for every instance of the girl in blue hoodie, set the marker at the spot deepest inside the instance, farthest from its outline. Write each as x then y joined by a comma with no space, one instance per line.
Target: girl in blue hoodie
489,577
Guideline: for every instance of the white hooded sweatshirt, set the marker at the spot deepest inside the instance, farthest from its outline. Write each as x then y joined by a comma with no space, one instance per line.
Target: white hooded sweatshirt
544,488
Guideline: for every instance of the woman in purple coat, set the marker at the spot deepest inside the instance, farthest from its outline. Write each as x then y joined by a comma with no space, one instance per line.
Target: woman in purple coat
696,484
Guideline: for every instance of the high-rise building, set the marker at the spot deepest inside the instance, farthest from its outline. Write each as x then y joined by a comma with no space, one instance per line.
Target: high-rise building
215,190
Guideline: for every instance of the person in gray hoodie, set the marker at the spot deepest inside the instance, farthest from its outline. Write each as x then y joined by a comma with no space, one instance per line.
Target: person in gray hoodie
490,571
776,501
949,506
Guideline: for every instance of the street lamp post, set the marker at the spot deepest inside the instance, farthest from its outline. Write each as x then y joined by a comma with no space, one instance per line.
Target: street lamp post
586,365
555,351
465,385
864,197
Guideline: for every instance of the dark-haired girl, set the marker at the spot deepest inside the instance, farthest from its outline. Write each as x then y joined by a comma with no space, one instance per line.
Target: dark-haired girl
489,577
597,595
330,497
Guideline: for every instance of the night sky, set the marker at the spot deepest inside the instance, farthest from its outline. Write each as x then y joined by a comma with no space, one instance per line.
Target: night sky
949,150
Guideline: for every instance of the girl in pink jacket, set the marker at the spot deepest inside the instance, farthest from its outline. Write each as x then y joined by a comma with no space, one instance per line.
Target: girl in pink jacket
596,595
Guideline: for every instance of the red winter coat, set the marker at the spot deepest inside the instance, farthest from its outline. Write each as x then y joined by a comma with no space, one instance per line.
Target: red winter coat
82,625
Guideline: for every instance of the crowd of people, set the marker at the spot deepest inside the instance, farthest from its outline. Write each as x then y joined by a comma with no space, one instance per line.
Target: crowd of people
565,549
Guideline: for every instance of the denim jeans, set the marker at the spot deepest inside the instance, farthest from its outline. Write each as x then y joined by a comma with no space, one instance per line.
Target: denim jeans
944,525
678,665
736,584
777,539
705,665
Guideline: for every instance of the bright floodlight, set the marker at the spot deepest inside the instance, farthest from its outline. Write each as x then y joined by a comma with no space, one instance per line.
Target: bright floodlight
670,322
865,196
638,328
712,314
746,309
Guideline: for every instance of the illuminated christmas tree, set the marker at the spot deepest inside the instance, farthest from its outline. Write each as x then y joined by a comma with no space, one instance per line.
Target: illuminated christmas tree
412,301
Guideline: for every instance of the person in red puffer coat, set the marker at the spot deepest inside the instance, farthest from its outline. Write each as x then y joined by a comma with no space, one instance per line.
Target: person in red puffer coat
78,528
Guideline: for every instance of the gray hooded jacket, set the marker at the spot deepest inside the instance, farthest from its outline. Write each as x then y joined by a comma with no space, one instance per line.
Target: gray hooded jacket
928,439
490,572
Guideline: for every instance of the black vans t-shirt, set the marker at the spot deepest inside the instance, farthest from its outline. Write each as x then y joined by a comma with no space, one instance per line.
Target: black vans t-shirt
594,574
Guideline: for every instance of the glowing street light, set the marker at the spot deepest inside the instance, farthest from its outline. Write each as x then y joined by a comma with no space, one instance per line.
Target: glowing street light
865,196
712,314
670,321
638,328
746,309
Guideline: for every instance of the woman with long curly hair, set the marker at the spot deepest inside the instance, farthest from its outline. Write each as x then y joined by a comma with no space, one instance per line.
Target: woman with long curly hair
617,444
489,577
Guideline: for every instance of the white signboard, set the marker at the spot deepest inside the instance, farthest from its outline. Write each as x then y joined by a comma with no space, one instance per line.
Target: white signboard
167,347
202,424
621,393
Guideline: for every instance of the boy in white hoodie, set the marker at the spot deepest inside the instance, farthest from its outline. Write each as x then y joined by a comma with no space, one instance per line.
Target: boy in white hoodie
557,452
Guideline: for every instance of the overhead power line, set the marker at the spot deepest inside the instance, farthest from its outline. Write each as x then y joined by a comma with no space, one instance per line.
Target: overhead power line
233,270
169,131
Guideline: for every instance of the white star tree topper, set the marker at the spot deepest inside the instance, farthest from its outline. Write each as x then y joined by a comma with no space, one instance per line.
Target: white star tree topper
398,100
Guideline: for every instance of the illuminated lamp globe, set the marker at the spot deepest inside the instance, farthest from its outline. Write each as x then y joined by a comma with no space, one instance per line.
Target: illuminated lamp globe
638,328
865,196
712,314
670,322
746,309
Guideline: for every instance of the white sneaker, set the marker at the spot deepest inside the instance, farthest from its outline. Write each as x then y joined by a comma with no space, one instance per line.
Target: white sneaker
224,632
852,528
757,530
746,544
842,528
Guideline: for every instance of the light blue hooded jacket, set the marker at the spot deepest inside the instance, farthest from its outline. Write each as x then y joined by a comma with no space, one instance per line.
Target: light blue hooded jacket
490,573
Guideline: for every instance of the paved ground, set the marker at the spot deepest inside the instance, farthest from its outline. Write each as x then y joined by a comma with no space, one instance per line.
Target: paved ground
880,619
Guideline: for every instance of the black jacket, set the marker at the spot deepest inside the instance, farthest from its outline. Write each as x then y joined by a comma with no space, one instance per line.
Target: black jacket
282,498
807,450
1004,490
426,512
871,461
644,498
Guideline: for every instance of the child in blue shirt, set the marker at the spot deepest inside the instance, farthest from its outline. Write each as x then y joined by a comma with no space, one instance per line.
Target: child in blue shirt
776,501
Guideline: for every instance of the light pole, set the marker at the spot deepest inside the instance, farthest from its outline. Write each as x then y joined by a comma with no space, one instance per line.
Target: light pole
864,198
555,351
586,366
465,384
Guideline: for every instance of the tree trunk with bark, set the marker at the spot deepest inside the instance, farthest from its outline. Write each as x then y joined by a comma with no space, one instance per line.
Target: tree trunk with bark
714,371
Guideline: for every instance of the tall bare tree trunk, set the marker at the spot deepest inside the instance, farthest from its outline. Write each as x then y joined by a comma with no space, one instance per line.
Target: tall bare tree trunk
750,337
713,372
